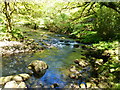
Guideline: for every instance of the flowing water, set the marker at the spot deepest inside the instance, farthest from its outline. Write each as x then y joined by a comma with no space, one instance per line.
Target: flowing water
58,59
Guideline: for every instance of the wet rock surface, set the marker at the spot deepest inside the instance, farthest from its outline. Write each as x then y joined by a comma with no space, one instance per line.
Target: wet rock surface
14,81
84,73
14,84
14,47
11,84
89,73
38,67
18,81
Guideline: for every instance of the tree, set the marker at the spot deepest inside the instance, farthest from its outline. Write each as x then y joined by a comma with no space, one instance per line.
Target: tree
106,16
8,11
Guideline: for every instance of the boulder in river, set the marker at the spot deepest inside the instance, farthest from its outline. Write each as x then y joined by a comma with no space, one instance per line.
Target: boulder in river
38,68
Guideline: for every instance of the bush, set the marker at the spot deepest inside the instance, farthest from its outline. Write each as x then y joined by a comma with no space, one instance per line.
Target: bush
107,23
16,33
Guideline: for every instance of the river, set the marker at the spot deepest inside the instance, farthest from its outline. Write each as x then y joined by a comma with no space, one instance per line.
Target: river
59,59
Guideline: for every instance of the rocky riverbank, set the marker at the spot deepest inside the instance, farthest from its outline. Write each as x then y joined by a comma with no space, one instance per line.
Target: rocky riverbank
96,68
14,47
18,81
32,42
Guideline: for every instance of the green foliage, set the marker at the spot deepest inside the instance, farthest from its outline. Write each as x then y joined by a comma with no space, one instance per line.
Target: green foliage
81,28
2,31
90,37
106,45
80,20
17,34
2,28
86,21
103,58
60,23
116,86
107,23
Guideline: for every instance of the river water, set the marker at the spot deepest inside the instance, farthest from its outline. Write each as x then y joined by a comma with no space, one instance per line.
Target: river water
58,59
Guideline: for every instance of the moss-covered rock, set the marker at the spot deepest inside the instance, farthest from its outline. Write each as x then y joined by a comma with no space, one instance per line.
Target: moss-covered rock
38,67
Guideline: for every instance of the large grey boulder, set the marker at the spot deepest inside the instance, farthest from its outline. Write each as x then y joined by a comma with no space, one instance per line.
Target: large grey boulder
38,67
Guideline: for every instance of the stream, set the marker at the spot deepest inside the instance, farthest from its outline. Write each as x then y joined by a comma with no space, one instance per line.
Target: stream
58,59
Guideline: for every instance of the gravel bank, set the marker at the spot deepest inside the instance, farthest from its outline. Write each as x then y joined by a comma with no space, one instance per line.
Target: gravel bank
13,47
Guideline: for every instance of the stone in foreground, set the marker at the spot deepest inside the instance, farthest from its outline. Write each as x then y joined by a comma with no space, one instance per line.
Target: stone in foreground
11,84
38,67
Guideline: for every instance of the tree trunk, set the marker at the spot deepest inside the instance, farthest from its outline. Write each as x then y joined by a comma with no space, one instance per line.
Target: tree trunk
8,17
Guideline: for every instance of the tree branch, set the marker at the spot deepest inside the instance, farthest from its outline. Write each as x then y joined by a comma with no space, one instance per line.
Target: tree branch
111,5
81,12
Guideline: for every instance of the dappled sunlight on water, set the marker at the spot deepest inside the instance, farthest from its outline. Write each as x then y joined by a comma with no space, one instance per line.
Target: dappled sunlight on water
58,59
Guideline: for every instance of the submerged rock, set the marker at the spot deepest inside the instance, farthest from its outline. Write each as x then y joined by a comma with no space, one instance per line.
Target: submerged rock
38,67
76,45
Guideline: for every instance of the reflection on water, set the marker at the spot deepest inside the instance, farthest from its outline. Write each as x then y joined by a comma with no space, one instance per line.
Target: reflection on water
58,60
